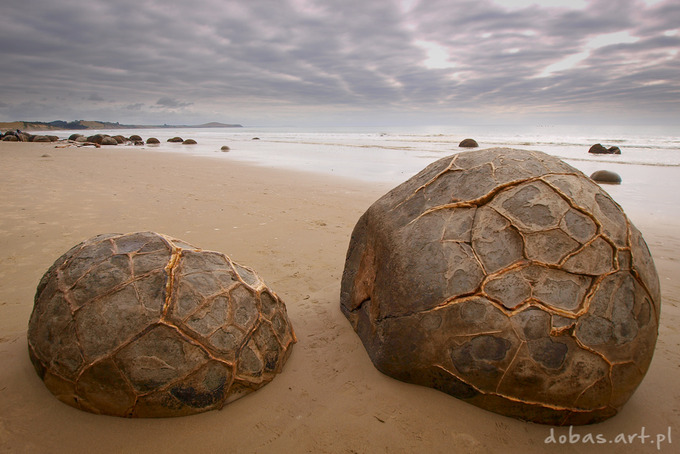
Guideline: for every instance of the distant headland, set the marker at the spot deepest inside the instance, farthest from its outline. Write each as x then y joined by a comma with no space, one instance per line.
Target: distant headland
85,124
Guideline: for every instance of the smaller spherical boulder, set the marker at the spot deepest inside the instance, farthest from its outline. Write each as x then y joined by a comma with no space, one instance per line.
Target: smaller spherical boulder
468,143
606,177
108,140
145,325
152,141
175,140
189,142
225,148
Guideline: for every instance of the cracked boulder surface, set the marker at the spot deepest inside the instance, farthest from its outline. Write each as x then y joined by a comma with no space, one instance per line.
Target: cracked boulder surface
145,325
507,279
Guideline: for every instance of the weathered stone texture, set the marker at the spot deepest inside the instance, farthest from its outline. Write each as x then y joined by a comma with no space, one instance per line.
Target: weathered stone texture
144,325
508,279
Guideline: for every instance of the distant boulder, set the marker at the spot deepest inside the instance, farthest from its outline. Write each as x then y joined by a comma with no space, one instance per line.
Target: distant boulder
109,141
10,138
606,177
225,148
601,149
135,138
97,138
53,138
189,142
41,139
120,139
80,139
468,143
176,140
74,137
152,141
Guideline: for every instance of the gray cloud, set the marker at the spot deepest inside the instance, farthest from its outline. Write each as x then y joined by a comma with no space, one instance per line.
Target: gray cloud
172,103
154,61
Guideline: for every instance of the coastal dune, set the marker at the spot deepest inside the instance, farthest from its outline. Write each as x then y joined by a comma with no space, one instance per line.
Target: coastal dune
293,228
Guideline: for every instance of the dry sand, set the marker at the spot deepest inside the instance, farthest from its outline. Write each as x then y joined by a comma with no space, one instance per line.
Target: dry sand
294,229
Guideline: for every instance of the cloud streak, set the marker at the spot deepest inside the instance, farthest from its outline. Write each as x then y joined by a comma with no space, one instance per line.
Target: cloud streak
309,60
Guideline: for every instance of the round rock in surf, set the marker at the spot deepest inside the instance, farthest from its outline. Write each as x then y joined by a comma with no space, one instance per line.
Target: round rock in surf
144,325
510,280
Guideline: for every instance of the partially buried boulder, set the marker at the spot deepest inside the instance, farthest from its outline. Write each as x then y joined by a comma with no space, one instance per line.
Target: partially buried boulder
510,280
108,140
606,177
189,142
144,325
175,140
152,141
468,143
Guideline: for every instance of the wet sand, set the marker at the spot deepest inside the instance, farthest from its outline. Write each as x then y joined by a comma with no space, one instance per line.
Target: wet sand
293,228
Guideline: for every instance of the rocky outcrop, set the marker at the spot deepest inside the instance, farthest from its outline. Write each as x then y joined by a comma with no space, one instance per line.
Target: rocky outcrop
601,149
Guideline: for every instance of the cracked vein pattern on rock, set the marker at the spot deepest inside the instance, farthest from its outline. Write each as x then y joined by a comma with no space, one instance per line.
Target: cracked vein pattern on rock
508,279
144,325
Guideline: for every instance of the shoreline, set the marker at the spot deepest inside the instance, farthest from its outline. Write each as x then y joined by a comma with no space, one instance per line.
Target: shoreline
293,228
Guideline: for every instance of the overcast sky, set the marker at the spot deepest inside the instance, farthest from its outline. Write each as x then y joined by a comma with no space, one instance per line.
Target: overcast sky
345,62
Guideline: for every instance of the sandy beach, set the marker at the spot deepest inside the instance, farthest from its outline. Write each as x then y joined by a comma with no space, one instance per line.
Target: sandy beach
293,228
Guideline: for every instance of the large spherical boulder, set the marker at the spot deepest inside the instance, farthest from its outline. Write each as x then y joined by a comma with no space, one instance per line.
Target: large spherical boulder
510,280
144,325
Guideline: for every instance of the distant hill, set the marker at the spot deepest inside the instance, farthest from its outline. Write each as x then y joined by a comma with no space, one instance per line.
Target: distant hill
84,124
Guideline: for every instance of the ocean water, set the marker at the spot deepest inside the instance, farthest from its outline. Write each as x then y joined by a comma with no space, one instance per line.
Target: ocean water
649,164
